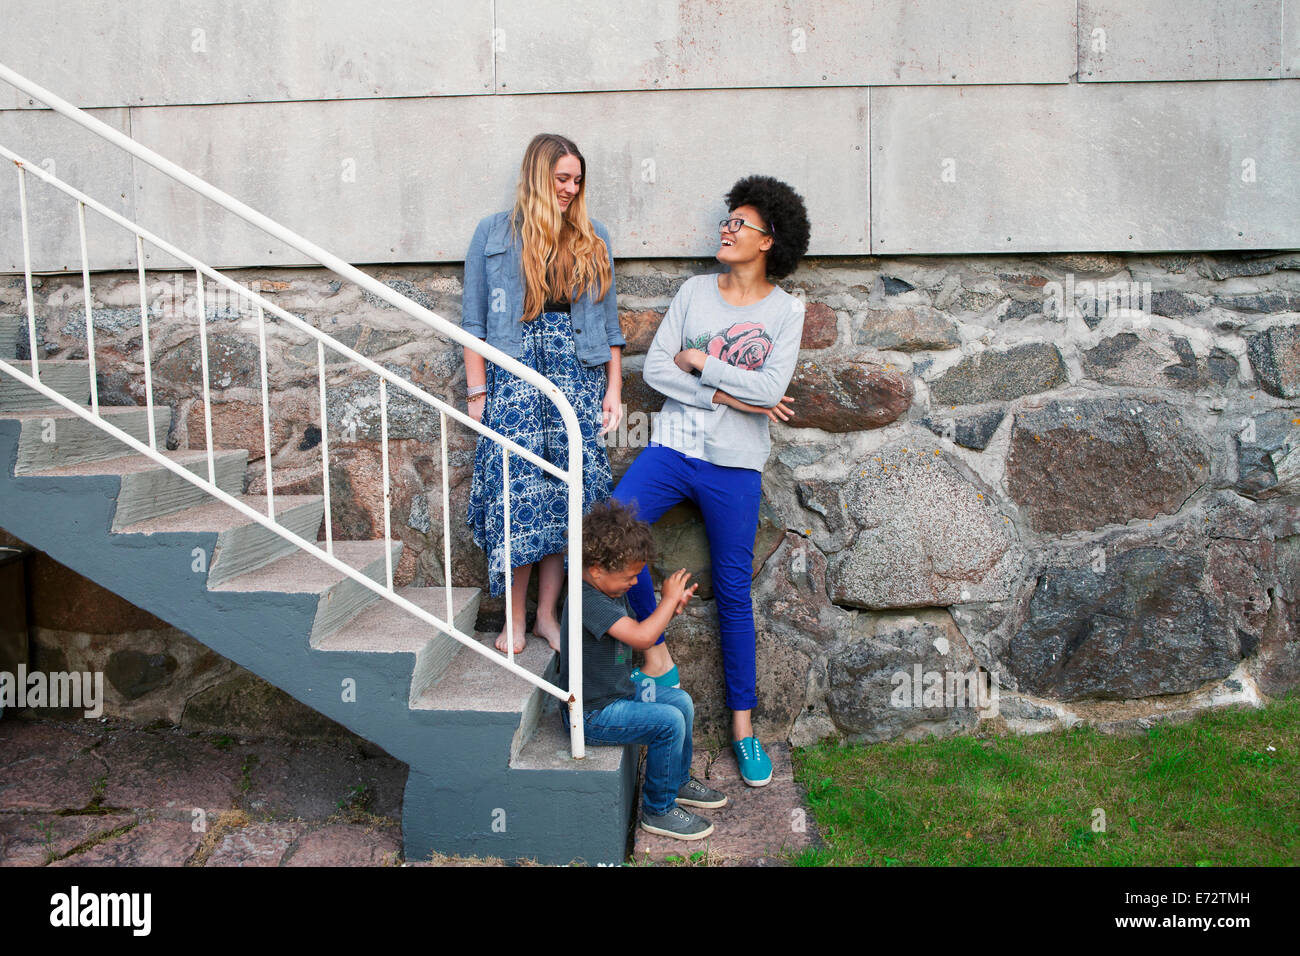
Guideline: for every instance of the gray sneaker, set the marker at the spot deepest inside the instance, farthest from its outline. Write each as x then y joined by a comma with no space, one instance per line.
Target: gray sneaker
677,823
696,794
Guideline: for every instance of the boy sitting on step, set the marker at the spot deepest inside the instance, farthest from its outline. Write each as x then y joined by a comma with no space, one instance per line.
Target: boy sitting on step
615,547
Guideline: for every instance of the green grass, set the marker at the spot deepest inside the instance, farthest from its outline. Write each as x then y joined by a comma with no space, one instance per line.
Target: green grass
1207,793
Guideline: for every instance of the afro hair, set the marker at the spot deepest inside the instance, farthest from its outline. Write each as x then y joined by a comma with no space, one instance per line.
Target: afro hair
783,210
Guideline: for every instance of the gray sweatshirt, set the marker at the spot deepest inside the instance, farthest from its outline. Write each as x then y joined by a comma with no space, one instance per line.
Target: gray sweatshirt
752,352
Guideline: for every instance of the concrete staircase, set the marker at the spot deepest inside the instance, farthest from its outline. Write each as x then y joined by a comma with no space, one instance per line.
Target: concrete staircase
490,773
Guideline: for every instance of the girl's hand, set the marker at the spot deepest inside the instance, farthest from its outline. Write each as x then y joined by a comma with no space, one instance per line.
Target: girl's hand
475,407
690,360
780,412
611,411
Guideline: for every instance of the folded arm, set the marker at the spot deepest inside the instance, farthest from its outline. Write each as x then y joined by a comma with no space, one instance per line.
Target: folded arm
762,386
661,372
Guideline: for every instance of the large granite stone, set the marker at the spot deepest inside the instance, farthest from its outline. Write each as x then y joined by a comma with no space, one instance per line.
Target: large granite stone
904,675
1268,451
237,424
968,427
1084,463
1277,664
820,326
1149,623
909,329
1152,360
1246,265
847,396
911,530
639,329
232,363
1275,356
993,375
683,542
354,412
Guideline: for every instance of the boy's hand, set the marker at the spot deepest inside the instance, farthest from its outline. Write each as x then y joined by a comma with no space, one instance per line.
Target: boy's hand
685,599
675,587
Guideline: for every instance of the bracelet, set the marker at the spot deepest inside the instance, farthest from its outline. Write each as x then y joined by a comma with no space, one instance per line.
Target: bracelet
475,390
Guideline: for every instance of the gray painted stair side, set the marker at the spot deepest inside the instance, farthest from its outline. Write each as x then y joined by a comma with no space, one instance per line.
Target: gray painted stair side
71,379
386,628
460,775
149,490
243,545
76,440
471,683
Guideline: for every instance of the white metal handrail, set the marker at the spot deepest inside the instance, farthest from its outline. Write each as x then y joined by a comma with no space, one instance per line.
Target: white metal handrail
572,476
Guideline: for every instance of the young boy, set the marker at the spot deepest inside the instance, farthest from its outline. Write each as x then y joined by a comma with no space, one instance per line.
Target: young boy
615,547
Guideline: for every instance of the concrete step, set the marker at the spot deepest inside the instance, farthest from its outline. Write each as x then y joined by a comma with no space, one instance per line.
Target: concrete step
148,490
71,379
55,438
386,628
13,329
243,545
339,598
472,683
549,749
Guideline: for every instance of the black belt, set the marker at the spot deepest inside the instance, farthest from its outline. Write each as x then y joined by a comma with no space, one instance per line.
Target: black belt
557,307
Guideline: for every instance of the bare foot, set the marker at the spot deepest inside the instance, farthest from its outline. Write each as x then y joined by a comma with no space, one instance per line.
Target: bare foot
549,630
520,639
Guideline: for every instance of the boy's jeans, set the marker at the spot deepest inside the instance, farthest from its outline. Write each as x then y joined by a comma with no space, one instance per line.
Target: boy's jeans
663,718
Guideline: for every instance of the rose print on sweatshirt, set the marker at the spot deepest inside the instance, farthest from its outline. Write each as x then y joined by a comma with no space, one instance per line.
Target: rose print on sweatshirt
745,345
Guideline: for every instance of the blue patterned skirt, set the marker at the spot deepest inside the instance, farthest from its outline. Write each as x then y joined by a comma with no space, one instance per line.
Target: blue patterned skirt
539,503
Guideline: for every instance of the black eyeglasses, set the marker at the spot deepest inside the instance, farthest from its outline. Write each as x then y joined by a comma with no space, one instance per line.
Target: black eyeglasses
733,225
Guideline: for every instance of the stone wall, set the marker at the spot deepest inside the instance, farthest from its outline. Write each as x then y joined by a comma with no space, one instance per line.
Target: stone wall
1070,481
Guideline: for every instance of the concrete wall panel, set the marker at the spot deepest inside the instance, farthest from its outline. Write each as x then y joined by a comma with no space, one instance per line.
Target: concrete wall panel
1151,166
682,44
137,52
1291,38
1134,40
407,180
85,162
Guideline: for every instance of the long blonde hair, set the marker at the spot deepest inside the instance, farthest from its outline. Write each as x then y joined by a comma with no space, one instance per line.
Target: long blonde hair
562,255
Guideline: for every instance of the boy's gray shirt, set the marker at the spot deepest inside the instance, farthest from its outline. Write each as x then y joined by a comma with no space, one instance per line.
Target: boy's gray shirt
752,353
606,661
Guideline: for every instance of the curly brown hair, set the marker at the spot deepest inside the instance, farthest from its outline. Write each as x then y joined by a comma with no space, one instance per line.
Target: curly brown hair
613,538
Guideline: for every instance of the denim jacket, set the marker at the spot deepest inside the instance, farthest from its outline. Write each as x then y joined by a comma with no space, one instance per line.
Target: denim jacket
494,296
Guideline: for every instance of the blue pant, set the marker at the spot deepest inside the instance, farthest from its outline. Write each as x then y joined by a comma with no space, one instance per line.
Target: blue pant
663,718
729,499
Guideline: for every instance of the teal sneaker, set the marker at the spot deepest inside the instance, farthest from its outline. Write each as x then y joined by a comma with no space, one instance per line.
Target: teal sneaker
668,679
755,765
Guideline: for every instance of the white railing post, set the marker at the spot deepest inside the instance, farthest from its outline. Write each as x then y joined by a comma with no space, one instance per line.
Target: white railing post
266,414
446,511
27,274
576,743
388,498
207,387
90,322
510,577
144,338
325,446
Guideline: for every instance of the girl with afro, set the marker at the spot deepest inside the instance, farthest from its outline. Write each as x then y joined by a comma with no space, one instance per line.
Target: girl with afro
723,357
